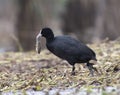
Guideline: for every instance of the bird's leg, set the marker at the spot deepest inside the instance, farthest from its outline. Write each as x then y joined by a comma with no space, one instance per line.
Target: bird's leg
73,70
92,62
90,67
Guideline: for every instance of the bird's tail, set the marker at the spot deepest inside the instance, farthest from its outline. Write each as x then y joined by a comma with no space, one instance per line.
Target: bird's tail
94,58
93,61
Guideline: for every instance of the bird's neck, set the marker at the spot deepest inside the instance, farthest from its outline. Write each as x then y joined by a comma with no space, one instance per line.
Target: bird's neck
50,39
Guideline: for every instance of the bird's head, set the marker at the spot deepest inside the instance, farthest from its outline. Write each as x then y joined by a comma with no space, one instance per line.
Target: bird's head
47,33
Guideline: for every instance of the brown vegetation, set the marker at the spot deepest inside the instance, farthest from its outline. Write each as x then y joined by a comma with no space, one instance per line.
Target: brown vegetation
45,71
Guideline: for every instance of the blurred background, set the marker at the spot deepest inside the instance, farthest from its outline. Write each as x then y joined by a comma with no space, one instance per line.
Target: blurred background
89,21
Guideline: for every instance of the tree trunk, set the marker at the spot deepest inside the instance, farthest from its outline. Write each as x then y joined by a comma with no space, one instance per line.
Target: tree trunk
28,23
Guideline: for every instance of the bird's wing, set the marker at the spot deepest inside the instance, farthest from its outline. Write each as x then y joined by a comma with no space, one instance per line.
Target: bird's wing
70,46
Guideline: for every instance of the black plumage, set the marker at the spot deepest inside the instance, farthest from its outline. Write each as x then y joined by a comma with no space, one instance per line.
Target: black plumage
69,49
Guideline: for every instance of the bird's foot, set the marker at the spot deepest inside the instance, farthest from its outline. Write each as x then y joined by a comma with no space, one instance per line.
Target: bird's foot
73,73
91,75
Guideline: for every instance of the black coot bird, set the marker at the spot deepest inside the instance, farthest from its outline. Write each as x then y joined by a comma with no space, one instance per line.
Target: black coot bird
69,49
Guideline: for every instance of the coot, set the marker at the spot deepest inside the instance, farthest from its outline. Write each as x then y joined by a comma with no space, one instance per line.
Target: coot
69,49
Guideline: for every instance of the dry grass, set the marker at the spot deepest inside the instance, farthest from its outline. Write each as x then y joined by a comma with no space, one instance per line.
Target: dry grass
30,70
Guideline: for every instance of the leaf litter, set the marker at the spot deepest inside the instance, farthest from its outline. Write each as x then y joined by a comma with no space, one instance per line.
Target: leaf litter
29,70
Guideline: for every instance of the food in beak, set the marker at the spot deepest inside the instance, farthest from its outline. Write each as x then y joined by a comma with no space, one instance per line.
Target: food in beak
38,45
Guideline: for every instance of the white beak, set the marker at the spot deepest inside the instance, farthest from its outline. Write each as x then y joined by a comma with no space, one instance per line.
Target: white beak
39,35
